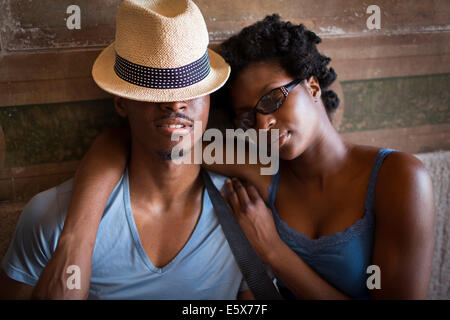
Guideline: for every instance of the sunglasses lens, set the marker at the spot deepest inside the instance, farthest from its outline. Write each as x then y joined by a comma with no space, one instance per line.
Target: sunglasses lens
271,102
245,120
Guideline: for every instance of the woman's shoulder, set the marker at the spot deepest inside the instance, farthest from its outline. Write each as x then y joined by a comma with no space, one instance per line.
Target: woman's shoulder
395,165
402,171
403,188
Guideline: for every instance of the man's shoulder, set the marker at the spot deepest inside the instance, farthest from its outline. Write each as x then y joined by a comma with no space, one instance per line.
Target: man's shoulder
51,196
50,205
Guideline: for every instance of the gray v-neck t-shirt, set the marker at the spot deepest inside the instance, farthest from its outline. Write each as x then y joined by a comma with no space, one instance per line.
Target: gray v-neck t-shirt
204,269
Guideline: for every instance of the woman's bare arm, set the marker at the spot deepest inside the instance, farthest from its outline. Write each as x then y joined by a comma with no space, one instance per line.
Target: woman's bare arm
404,232
96,177
246,171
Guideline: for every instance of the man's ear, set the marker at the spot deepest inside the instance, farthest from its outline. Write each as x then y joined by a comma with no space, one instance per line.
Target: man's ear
313,87
120,106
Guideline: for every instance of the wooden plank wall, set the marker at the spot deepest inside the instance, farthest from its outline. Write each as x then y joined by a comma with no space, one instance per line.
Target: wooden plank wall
393,81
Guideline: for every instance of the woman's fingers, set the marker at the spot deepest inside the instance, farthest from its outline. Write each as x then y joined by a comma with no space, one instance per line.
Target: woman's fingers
240,197
253,193
232,197
224,194
244,200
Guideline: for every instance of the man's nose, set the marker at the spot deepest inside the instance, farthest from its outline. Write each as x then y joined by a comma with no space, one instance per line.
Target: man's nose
265,121
177,106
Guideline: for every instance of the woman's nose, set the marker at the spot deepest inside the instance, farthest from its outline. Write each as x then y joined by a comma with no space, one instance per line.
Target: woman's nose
176,106
265,121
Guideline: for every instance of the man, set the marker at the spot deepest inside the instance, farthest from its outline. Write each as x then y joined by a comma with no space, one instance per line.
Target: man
161,72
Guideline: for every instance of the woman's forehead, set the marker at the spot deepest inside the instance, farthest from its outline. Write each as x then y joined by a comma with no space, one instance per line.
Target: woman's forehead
262,70
256,79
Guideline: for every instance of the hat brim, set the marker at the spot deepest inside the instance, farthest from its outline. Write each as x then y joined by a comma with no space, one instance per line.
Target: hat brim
105,77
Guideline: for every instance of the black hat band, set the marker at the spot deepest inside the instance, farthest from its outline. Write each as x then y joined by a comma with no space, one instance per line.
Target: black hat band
170,78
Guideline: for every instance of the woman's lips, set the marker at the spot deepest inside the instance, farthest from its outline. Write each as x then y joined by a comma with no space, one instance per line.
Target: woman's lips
283,137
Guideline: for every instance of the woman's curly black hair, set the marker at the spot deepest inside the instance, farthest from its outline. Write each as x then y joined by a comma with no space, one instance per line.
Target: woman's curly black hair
293,46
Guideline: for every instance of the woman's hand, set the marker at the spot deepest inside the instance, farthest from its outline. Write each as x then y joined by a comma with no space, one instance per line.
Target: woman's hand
57,281
257,222
254,217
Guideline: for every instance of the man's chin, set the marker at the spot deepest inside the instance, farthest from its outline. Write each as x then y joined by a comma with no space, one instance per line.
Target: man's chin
165,155
168,154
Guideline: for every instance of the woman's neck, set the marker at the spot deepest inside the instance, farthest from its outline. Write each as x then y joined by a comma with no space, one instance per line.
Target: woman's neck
327,155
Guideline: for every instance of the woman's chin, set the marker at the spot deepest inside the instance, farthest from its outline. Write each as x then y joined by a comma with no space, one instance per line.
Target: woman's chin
287,152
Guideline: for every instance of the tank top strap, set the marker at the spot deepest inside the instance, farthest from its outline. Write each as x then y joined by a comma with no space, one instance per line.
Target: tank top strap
370,197
377,163
273,188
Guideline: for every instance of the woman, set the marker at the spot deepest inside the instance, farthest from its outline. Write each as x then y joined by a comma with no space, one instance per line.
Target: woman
332,210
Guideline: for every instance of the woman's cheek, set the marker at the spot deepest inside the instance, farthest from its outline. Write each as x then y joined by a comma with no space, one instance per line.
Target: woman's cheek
300,140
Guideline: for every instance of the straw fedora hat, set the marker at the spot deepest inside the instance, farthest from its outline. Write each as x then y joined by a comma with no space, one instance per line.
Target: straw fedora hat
160,54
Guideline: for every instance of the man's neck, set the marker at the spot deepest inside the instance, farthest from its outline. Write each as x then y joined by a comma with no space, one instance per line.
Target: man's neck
160,184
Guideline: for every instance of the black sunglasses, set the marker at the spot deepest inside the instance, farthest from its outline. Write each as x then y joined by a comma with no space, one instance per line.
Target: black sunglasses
268,103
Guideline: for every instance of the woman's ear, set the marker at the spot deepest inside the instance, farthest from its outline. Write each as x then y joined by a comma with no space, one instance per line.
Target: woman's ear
120,106
313,87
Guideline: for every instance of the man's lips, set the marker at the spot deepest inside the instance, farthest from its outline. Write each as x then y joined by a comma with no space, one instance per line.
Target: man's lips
171,126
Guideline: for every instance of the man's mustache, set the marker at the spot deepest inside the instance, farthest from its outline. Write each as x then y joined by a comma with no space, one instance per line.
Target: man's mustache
174,115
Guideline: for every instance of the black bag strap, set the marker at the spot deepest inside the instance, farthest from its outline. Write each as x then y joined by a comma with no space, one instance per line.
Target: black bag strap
251,266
